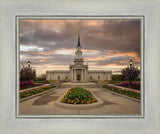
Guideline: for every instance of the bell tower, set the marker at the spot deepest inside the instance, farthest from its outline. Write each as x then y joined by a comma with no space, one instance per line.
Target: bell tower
78,54
78,71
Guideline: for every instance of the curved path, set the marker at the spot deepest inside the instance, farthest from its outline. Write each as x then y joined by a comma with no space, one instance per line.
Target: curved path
113,104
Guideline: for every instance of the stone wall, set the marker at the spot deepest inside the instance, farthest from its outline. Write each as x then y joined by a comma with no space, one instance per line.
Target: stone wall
66,76
58,75
99,75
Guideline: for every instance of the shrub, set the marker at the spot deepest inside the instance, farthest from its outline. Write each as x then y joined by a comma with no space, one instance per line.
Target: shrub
27,73
78,95
118,78
25,83
135,85
130,73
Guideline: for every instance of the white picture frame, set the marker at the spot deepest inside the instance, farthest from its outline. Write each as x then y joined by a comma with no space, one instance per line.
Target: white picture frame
11,124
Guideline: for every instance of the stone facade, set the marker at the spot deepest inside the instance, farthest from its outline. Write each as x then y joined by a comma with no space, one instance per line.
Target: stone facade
79,71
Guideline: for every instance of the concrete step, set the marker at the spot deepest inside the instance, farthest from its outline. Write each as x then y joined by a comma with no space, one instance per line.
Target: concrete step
62,86
85,85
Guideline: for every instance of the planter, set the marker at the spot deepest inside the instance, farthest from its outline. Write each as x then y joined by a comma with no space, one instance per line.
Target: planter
81,104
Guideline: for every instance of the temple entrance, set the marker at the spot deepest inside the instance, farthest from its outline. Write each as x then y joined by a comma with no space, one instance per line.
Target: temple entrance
78,77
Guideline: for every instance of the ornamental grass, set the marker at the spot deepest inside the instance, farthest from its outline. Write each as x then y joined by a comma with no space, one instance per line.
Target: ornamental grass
78,95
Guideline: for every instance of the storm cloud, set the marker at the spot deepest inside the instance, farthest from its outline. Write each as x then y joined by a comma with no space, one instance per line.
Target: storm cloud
104,42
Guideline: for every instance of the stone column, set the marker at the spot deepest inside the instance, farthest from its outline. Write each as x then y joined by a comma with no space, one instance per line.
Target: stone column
74,74
71,74
86,74
82,75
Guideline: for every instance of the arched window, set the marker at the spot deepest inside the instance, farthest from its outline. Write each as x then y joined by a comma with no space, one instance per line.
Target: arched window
90,77
98,77
58,77
66,77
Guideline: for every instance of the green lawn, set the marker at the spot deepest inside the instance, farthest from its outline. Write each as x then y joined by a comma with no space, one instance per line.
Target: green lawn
110,82
43,81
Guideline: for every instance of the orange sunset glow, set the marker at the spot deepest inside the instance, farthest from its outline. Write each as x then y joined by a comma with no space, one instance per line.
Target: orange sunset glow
106,44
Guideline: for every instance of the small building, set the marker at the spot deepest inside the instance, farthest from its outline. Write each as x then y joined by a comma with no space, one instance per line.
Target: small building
78,72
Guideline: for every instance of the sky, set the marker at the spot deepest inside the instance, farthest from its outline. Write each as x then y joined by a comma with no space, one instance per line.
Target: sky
106,44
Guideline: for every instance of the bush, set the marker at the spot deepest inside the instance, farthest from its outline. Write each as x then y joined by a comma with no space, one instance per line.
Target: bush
25,83
78,95
130,73
118,77
27,73
135,85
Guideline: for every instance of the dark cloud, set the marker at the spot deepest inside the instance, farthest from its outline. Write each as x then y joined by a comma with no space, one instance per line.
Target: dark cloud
101,35
121,35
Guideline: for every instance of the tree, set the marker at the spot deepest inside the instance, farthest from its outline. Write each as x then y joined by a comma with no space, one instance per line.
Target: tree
130,73
43,76
118,77
27,73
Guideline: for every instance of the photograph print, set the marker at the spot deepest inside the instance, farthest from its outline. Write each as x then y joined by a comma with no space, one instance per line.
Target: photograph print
81,67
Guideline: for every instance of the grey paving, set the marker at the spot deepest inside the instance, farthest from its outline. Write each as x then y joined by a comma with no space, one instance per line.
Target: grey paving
113,104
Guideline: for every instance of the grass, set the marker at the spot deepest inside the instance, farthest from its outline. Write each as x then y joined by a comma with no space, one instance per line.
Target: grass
35,91
43,81
78,95
110,82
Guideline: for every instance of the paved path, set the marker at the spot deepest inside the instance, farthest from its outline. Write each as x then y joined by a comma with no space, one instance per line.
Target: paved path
113,104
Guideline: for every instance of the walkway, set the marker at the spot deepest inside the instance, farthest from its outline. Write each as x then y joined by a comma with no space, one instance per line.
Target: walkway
113,104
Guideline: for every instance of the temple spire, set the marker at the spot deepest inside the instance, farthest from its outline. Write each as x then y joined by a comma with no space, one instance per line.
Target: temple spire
78,45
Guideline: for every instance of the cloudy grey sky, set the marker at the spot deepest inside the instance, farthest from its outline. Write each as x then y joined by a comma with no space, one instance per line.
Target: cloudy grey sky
106,44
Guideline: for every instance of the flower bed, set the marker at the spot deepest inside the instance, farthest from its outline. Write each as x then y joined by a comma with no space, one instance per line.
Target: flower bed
26,84
34,91
124,92
135,85
78,95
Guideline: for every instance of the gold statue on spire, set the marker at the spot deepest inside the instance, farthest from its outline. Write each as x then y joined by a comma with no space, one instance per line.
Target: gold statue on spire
78,33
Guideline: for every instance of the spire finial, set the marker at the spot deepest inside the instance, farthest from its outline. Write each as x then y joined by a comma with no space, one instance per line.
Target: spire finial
78,45
78,33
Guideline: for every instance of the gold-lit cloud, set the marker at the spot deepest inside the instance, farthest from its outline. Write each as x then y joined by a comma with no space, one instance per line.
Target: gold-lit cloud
101,40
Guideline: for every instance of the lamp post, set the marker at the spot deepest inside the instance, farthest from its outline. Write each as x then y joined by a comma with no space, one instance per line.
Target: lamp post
29,64
130,63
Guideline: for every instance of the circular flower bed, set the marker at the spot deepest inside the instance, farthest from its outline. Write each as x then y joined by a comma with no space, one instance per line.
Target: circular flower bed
78,95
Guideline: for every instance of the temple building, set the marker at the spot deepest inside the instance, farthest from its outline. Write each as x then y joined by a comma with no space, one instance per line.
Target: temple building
78,72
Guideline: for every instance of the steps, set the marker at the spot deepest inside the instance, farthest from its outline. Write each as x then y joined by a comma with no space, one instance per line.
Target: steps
84,85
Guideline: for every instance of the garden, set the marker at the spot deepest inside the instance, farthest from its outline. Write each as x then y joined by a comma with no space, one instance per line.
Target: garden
135,84
126,92
78,95
27,93
28,78
127,74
